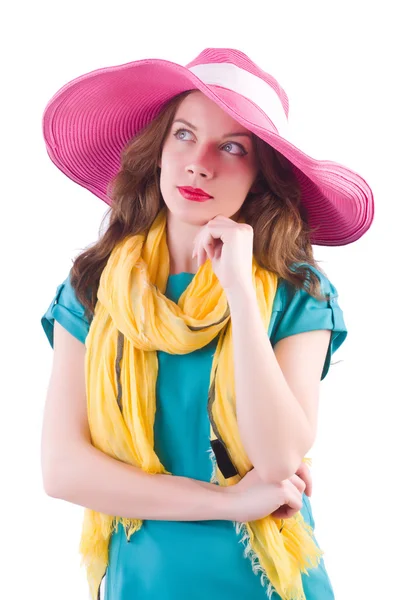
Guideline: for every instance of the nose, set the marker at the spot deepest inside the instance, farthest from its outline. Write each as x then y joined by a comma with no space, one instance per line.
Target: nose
201,165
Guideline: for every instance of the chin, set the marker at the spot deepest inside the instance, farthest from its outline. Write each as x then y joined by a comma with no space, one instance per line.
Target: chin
189,218
193,213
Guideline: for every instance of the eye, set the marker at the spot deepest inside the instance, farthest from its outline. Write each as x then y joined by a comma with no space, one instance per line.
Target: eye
178,131
242,152
185,132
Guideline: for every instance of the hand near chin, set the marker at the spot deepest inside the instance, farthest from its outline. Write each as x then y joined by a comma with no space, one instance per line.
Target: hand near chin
229,246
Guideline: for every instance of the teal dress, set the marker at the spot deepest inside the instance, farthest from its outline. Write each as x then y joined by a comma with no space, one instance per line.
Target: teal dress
173,560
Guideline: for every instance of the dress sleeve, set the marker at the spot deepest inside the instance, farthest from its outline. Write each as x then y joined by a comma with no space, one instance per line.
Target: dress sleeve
68,311
298,311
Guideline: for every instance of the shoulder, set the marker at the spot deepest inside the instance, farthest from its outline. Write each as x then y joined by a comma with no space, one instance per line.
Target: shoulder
287,291
68,311
296,311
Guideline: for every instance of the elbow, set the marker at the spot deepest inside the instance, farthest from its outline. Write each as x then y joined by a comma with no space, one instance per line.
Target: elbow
276,473
50,489
55,475
47,477
276,464
287,470
50,485
279,470
303,446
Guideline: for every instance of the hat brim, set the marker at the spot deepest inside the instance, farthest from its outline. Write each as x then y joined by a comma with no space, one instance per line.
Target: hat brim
88,122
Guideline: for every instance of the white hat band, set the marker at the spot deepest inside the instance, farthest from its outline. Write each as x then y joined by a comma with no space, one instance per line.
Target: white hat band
252,87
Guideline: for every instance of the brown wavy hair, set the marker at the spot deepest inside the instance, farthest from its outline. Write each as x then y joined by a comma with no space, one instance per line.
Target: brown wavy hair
281,234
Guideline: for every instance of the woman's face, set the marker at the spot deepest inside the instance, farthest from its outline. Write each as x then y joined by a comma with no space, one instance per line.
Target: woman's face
210,151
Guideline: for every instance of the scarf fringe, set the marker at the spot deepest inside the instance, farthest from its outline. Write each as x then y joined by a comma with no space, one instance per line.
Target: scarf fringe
296,534
245,538
94,544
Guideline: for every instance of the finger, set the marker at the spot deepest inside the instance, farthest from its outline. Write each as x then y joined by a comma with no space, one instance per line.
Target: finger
218,252
221,232
304,473
209,245
224,219
285,512
201,256
298,483
199,250
294,501
290,511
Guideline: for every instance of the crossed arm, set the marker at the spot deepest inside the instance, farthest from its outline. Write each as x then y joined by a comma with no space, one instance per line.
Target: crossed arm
277,391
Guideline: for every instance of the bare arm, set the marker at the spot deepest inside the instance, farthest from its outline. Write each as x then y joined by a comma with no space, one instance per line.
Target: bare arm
275,430
95,480
75,471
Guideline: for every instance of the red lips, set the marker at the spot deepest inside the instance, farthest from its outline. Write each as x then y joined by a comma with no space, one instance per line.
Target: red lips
195,192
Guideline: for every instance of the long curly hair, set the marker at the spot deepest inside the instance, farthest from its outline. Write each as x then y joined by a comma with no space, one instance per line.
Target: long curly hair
281,232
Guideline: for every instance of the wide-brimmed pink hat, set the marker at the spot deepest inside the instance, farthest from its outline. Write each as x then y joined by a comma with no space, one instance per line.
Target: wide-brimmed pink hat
90,120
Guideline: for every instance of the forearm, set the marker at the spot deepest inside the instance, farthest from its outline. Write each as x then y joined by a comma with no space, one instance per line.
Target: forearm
272,424
93,479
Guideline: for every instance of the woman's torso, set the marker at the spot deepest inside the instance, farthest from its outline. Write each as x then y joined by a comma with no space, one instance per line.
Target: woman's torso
173,560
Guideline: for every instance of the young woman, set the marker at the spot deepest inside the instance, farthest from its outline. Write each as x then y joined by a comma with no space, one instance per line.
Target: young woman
190,340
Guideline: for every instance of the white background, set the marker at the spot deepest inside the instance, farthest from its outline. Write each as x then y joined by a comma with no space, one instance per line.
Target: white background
335,60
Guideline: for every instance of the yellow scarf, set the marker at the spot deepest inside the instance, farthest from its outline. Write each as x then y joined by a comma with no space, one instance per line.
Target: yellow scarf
133,319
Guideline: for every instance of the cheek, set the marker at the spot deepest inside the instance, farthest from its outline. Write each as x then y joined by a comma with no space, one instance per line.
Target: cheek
166,172
239,177
170,162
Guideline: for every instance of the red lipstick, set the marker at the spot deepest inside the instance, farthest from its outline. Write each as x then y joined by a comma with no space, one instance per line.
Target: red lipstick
195,194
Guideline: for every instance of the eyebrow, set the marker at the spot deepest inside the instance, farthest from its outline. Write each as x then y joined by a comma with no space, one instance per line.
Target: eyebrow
237,133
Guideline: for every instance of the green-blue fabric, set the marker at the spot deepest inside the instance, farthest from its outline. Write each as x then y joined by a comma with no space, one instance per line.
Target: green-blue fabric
199,559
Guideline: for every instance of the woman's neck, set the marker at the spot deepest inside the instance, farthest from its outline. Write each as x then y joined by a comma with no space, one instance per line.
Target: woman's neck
180,239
